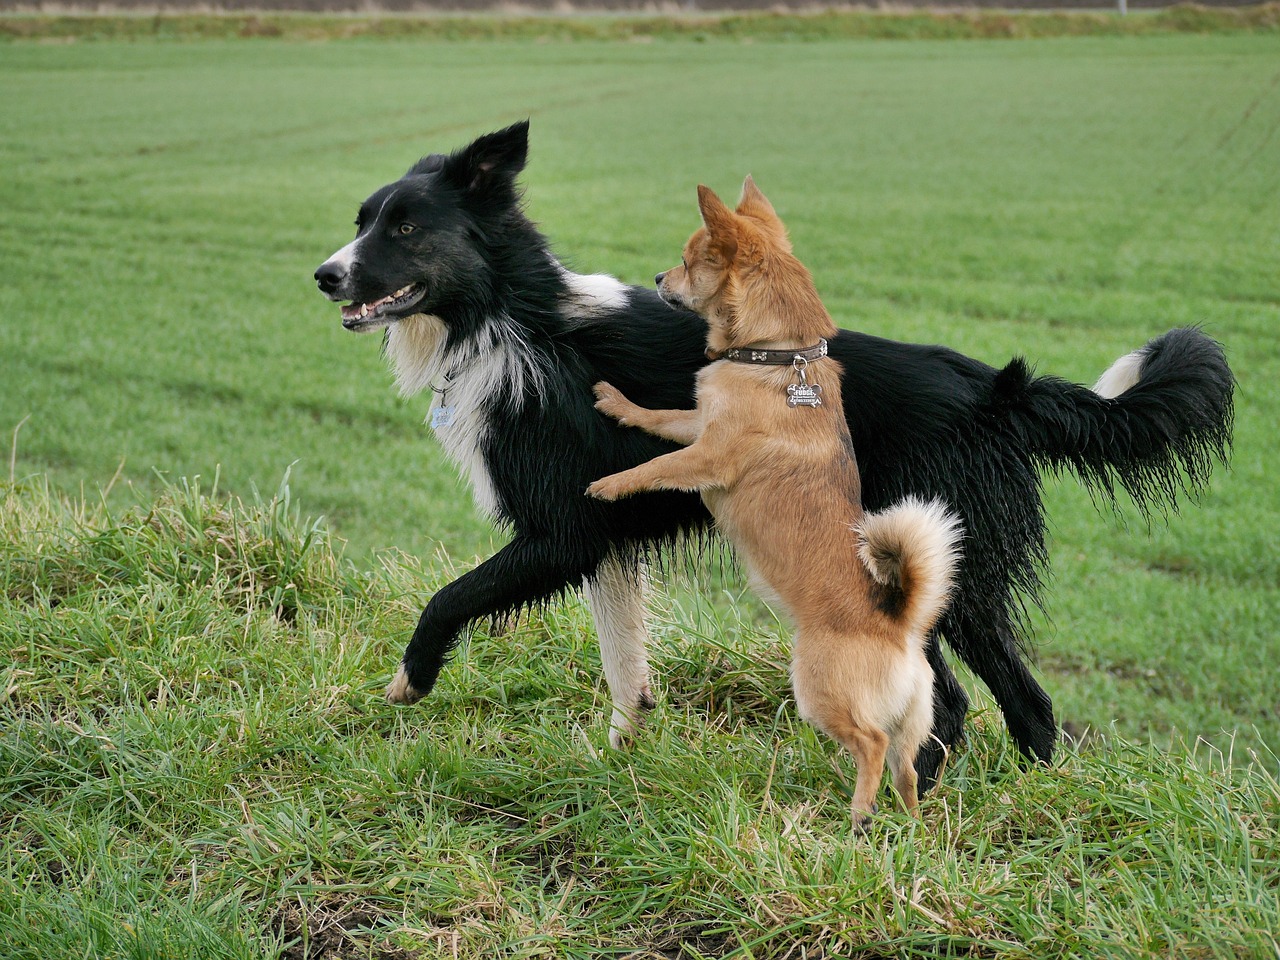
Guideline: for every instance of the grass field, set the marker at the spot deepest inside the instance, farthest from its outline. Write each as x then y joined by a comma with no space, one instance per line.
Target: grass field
195,758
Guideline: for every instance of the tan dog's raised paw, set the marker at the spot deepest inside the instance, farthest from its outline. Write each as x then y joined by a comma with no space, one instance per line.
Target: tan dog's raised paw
608,488
611,402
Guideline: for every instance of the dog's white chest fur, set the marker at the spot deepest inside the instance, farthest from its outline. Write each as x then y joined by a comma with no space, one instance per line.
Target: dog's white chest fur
469,381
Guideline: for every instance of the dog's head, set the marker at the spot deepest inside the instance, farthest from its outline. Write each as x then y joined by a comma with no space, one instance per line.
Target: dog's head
738,273
417,240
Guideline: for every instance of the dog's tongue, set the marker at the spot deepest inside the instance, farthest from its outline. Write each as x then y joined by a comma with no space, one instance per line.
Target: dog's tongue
351,311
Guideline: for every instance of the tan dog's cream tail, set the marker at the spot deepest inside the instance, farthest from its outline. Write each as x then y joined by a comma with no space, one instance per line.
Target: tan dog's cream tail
912,548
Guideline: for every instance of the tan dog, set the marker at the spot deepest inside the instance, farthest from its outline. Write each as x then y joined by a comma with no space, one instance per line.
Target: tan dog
769,449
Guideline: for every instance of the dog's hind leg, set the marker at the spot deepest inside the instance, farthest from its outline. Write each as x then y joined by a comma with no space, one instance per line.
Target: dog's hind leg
912,731
616,595
868,746
950,705
828,709
990,649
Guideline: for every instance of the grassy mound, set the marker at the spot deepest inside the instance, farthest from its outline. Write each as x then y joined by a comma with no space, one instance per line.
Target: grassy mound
196,760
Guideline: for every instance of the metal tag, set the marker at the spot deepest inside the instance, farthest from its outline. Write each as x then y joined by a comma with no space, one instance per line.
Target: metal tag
804,395
441,416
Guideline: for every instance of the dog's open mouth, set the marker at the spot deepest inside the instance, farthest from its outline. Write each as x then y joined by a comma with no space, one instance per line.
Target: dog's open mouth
357,315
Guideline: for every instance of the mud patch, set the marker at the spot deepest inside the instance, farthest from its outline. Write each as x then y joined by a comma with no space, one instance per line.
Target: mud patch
335,931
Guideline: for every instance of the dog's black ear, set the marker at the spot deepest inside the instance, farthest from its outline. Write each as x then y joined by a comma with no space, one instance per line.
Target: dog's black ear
428,164
491,161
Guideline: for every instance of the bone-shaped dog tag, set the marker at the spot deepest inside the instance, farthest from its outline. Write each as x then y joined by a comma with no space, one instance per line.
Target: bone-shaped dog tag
804,395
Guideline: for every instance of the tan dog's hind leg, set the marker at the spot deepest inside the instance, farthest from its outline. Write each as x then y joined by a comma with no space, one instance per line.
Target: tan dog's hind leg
904,779
911,733
868,746
678,426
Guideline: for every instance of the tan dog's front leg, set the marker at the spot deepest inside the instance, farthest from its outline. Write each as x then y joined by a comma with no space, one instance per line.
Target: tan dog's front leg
687,469
678,426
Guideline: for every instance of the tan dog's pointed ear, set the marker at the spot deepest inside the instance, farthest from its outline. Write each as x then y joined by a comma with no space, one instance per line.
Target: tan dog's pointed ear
754,203
719,221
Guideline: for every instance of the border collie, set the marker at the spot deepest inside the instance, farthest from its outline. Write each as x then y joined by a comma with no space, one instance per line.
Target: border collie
476,307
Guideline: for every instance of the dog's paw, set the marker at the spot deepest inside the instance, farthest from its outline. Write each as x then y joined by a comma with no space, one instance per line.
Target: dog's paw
611,402
862,818
400,690
622,733
625,724
606,488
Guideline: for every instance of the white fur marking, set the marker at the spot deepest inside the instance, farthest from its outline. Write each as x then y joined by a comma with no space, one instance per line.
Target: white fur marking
477,374
593,293
414,348
1122,375
384,206
346,257
616,599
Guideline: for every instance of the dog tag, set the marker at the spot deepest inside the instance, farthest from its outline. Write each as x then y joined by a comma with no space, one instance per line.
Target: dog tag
441,416
804,395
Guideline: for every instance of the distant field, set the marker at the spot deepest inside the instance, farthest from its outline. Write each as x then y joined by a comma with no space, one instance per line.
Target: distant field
466,20
166,206
163,208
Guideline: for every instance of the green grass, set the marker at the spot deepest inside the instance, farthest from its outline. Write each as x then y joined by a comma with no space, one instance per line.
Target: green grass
197,762
194,758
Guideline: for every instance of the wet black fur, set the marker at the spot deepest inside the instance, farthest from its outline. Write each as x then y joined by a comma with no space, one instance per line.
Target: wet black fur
925,420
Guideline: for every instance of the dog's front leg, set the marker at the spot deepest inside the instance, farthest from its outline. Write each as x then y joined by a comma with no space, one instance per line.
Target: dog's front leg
688,469
527,570
615,594
679,426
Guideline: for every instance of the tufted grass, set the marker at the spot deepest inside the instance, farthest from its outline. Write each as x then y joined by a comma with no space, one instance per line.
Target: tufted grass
197,761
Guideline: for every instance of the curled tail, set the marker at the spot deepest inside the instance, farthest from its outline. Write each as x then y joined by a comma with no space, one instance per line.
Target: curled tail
1156,421
912,549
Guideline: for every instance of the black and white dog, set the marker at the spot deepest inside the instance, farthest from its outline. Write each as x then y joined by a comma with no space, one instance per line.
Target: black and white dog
476,306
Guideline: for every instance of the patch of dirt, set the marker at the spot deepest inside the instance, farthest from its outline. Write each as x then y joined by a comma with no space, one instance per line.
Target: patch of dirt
334,932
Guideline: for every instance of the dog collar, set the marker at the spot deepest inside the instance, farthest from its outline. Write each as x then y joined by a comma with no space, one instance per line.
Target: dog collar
775,357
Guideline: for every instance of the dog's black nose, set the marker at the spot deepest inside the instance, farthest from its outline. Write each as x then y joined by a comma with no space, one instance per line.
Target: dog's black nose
330,276
657,281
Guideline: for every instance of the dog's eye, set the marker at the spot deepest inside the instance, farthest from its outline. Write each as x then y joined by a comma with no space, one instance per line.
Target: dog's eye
406,229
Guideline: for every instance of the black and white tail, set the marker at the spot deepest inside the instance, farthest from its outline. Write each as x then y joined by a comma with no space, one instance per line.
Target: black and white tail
912,548
1156,421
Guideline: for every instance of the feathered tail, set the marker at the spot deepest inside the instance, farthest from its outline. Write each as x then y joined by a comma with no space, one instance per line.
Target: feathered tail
912,549
1156,421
